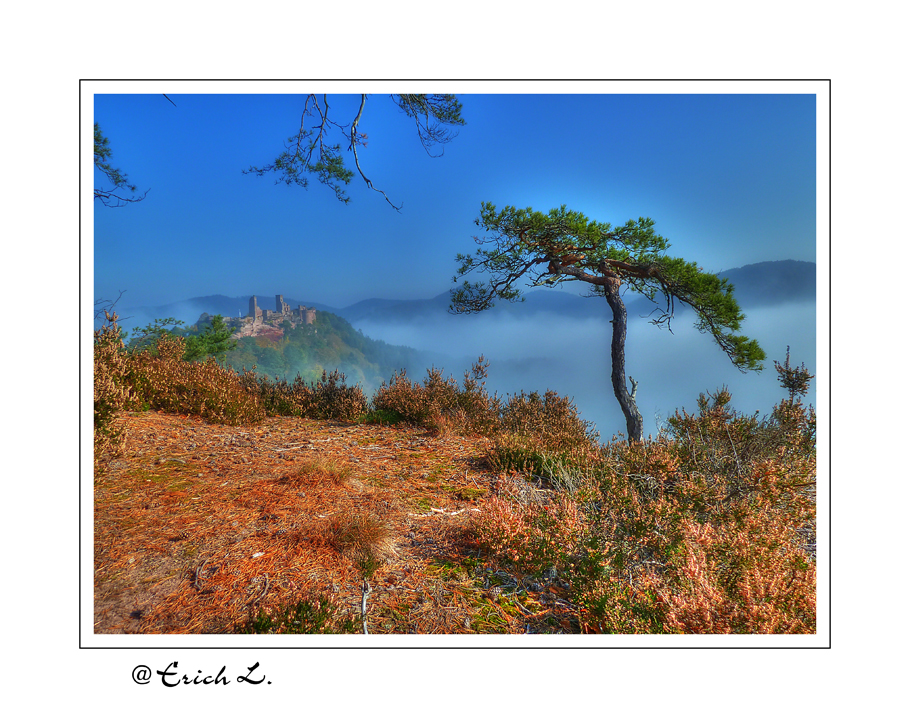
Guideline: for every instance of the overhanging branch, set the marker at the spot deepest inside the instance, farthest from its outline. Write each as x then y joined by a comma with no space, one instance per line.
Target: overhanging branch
363,101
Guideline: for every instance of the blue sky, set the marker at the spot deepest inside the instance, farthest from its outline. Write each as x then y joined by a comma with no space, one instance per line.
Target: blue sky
730,179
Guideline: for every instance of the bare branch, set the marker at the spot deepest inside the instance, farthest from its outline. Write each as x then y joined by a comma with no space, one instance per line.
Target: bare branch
104,307
353,147
109,199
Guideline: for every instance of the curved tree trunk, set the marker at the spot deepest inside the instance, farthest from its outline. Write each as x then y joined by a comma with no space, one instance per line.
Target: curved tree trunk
618,355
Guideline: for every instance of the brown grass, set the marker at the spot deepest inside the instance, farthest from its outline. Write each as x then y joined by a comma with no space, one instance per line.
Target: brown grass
198,527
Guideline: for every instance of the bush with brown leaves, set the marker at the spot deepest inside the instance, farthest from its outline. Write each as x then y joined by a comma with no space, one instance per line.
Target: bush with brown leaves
111,386
328,398
439,402
539,435
708,529
162,380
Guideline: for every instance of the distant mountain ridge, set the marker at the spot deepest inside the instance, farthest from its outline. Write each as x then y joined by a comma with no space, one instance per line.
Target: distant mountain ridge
763,284
769,283
773,282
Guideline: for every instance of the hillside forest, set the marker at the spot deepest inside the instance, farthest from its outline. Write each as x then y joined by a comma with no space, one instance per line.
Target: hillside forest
330,344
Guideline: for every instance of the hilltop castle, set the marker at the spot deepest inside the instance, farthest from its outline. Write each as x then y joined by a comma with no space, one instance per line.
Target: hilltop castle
259,322
282,312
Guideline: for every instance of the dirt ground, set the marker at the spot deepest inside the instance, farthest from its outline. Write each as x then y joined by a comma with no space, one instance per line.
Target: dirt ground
200,527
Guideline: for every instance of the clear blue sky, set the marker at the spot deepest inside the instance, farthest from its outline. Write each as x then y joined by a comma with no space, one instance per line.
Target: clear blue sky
728,179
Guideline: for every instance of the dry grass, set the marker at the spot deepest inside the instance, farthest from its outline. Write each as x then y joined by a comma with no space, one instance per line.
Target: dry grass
199,528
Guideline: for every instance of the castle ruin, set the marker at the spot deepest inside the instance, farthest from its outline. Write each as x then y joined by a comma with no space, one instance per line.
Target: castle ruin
282,312
263,322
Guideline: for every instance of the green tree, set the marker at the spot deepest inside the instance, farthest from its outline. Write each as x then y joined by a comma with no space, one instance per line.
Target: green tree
122,192
565,245
309,152
147,337
794,379
215,341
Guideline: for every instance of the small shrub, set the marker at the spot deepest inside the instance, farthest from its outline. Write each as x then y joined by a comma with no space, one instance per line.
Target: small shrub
303,617
327,398
439,402
551,421
541,436
336,400
478,410
794,379
414,402
382,417
364,537
531,536
111,388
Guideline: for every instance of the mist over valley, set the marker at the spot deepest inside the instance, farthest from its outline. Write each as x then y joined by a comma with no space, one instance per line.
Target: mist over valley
571,355
560,340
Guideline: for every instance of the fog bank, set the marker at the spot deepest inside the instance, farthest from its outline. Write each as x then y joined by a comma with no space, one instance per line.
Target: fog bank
572,356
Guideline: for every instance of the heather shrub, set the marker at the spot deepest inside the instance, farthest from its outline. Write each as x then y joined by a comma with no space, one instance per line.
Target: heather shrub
707,529
319,615
382,417
111,388
420,404
543,436
329,397
334,399
672,547
160,379
747,459
439,402
532,536
478,410
726,440
531,433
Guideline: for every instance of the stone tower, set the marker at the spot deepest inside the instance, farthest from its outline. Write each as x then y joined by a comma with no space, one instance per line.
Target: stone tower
253,307
306,315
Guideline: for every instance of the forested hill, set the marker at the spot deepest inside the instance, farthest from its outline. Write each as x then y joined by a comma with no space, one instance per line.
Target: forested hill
331,343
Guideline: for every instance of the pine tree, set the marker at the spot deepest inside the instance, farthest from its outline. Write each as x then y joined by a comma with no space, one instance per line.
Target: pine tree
565,245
